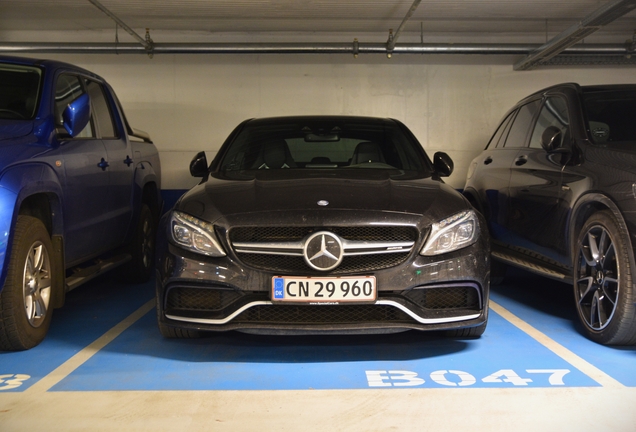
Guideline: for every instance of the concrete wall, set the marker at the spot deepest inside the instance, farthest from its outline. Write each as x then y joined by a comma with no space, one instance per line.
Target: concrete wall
190,103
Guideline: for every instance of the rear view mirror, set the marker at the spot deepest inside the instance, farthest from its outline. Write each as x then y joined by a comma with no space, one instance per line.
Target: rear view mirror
199,165
76,115
443,164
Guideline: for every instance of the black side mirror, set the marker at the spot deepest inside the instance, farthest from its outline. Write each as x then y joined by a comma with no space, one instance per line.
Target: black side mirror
443,164
199,165
552,140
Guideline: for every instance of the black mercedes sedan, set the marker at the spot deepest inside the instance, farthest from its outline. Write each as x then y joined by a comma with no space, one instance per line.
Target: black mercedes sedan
557,184
322,225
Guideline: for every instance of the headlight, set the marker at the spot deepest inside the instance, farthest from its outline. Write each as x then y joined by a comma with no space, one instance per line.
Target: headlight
452,233
194,234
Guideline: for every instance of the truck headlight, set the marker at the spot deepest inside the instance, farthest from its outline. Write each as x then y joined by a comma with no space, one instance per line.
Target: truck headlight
194,234
452,233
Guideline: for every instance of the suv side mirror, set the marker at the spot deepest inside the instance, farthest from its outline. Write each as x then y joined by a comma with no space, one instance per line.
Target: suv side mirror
552,140
77,115
199,165
443,164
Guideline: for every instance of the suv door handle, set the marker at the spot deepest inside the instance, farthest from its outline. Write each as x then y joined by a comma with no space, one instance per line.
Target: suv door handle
521,160
487,160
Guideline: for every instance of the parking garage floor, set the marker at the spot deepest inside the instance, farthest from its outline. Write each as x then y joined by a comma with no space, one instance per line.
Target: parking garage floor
104,366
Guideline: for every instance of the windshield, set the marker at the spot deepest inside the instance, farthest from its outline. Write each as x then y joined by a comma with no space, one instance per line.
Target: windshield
323,144
19,91
611,115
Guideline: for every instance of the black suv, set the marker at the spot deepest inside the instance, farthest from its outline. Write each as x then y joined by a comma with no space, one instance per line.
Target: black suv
557,184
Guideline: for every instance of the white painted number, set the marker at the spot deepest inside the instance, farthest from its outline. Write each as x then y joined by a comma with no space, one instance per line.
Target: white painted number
465,379
404,378
11,381
556,375
507,375
457,378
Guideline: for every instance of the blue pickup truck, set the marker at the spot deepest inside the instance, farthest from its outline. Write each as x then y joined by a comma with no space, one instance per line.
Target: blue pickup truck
79,192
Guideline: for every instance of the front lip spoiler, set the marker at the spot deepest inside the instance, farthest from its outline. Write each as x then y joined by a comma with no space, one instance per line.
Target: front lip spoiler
378,302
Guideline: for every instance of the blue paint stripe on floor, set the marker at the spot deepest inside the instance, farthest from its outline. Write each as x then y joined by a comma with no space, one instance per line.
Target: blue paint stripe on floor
140,359
549,307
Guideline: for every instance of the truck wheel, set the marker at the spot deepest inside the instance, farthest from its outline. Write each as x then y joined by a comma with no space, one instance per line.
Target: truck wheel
143,247
603,284
25,300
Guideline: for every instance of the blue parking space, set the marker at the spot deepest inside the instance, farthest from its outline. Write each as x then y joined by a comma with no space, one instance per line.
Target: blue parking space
140,359
549,307
89,312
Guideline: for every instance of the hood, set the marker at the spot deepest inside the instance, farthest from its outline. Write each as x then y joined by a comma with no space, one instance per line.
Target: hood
11,129
293,191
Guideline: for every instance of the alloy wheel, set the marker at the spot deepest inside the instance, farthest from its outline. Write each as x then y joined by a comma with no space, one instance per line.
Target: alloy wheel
37,284
597,278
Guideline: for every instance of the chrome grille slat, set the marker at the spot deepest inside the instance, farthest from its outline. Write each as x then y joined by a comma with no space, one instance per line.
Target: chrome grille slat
350,248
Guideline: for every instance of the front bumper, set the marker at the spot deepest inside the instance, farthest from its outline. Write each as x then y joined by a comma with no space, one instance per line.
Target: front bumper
424,293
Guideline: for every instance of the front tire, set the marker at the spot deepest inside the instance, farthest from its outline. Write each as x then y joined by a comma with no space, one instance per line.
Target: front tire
603,286
25,300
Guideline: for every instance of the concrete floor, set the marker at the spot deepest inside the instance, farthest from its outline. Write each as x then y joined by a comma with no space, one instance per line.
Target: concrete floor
104,366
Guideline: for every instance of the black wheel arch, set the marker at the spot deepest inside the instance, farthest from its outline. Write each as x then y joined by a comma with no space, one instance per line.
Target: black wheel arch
584,208
46,207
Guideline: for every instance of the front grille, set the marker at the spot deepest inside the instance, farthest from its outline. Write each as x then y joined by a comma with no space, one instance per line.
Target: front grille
451,297
307,315
199,299
289,234
290,264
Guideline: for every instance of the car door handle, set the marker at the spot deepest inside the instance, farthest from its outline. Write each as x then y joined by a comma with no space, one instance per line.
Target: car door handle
488,160
521,160
103,164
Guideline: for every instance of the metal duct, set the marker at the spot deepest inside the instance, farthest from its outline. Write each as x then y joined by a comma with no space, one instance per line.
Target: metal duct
301,48
590,24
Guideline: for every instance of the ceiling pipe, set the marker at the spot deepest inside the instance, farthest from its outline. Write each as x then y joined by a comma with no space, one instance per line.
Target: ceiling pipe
300,48
591,23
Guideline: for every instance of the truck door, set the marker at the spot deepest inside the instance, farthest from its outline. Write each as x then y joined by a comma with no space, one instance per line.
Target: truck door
85,181
120,162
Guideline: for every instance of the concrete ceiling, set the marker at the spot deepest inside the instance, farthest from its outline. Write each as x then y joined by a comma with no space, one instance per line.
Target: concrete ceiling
528,21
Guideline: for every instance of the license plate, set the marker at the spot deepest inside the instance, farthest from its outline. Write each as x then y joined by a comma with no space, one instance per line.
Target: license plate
323,289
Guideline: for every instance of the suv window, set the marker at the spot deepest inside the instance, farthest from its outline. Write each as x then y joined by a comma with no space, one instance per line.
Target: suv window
553,113
67,89
101,112
521,125
501,131
610,115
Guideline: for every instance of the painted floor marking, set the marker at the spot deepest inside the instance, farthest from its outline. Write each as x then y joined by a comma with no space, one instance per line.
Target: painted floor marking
66,368
584,366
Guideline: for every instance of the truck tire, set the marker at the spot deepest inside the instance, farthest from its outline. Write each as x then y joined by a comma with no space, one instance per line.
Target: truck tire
25,300
142,248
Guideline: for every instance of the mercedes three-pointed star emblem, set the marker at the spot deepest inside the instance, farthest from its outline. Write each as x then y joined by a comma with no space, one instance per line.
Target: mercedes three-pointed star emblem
323,251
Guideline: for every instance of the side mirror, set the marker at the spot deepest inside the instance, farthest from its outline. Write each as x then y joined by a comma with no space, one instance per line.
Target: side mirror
199,165
443,164
76,115
552,140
